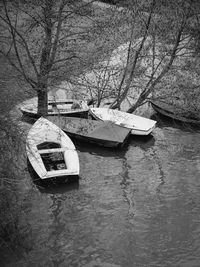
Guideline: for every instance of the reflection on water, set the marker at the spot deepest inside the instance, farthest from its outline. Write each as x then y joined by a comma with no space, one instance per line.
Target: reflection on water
139,206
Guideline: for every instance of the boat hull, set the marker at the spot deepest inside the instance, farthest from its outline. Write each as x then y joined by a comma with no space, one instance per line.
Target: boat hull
105,134
138,125
43,131
59,107
169,111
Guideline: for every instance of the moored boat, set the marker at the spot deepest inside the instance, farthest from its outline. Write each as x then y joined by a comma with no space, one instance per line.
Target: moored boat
138,125
50,151
55,107
102,133
173,112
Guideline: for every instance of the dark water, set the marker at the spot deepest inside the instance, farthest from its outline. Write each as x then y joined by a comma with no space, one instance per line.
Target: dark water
138,207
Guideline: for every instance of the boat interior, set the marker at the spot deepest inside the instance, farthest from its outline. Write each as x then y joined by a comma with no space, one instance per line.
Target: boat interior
52,156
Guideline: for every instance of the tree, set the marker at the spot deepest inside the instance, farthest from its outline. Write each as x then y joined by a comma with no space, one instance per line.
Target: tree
39,39
44,43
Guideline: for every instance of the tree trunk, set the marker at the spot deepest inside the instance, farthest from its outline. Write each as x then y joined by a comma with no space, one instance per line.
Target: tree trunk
45,67
152,83
138,103
131,76
42,101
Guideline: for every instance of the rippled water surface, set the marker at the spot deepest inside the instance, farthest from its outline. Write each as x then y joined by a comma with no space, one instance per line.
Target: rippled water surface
135,207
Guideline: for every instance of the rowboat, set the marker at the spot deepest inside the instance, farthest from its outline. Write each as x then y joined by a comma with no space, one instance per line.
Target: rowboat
50,151
55,107
102,133
170,111
138,125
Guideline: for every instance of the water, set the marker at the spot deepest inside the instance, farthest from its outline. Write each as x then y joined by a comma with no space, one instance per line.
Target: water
139,206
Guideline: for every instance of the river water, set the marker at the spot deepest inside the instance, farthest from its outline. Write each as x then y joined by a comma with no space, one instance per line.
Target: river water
134,207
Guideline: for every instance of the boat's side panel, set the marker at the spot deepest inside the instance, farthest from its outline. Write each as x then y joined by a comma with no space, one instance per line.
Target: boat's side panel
35,159
72,162
90,139
141,132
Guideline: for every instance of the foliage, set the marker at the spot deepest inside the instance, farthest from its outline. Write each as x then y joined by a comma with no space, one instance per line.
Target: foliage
14,230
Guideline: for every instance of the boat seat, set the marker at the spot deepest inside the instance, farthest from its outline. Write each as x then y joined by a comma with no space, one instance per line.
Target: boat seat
53,150
59,102
63,172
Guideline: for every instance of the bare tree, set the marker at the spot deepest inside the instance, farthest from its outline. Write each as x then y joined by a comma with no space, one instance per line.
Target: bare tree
39,39
154,51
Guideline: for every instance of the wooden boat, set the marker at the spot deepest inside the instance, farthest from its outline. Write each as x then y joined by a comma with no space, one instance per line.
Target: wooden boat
170,111
102,133
50,151
138,125
55,107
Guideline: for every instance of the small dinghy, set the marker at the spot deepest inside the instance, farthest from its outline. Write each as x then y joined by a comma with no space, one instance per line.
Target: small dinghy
102,133
138,125
50,151
55,107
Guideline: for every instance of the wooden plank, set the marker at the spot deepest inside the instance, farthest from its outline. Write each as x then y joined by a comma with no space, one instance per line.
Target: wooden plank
60,102
52,150
63,172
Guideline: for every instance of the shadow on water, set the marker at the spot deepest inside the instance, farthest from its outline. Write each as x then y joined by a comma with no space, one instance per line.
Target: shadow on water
57,185
60,188
142,141
28,119
97,150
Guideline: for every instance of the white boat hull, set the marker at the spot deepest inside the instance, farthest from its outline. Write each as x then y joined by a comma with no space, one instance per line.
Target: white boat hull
45,131
138,125
55,107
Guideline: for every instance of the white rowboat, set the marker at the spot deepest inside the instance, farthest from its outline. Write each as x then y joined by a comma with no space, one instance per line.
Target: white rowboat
55,107
138,125
45,132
